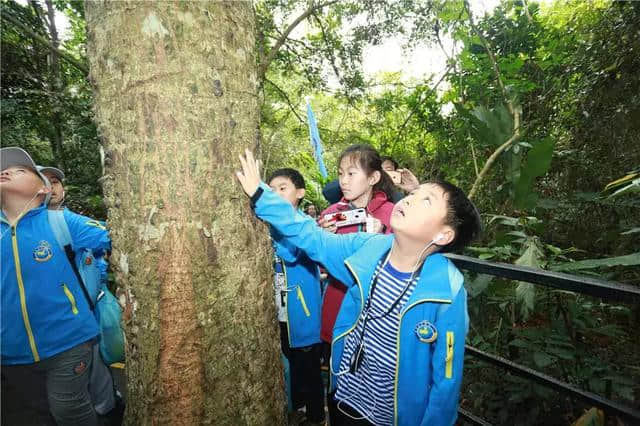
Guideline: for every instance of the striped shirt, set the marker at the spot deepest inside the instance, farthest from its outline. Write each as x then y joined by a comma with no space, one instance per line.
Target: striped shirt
370,389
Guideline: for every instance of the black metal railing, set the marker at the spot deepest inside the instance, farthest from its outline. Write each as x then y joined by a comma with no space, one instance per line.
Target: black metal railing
585,285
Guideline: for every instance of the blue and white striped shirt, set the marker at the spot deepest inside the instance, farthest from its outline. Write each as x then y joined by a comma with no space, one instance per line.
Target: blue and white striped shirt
370,389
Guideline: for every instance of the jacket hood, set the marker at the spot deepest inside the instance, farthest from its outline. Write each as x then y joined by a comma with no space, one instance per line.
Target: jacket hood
378,200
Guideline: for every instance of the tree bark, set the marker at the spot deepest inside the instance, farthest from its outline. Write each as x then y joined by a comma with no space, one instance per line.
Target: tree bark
176,102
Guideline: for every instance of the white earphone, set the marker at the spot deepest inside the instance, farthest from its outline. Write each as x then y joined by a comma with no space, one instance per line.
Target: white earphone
437,238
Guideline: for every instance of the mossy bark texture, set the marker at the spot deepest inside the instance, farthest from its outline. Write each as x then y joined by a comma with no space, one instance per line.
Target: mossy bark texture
176,102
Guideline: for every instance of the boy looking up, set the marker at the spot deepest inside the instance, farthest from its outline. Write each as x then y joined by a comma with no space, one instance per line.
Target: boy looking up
106,400
398,341
47,326
55,177
298,305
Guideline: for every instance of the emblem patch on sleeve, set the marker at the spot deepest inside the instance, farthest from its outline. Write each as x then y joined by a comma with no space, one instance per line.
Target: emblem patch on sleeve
426,332
43,252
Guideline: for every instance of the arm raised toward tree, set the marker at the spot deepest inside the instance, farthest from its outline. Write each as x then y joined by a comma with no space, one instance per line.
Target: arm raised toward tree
300,230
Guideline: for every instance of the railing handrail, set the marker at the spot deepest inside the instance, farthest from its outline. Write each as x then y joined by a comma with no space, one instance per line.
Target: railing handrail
578,284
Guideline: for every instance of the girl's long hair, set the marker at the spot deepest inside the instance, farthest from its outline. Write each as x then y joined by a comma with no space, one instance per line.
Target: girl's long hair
369,160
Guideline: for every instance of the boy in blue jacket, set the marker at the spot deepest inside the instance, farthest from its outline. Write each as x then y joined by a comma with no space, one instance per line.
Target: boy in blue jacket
107,401
398,341
298,303
47,326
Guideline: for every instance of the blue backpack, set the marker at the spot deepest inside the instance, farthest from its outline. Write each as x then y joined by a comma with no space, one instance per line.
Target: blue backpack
103,304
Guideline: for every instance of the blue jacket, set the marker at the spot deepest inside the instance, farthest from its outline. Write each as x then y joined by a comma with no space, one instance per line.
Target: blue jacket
433,324
304,299
44,311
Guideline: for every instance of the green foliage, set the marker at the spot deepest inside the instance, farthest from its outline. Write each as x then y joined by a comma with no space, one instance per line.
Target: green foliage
568,68
627,260
537,164
37,113
526,292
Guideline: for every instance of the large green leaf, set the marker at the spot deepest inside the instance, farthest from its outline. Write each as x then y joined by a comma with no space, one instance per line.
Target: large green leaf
478,285
526,292
627,260
537,163
491,127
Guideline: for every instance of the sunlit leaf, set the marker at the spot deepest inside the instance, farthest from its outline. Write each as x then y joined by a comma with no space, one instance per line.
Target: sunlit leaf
627,260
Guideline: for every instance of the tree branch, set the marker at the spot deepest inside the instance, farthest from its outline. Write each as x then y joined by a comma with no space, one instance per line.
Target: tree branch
64,55
492,57
525,5
437,31
329,49
262,69
475,161
415,108
284,95
496,153
515,113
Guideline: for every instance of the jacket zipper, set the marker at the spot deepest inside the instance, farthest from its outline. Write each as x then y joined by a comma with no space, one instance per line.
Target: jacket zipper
23,299
304,304
395,381
286,304
336,338
448,373
72,299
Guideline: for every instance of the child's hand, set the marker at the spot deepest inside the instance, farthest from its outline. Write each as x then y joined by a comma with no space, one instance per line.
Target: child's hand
408,181
327,225
249,177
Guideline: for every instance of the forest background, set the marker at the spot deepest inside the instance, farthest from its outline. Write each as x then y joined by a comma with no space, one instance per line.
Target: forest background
537,113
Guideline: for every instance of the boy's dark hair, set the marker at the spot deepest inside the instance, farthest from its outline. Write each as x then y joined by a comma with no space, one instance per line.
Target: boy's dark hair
462,216
369,159
292,174
394,162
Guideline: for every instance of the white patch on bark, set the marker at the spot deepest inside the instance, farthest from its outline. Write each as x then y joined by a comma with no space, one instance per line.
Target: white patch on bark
214,228
124,264
102,156
148,231
186,17
152,26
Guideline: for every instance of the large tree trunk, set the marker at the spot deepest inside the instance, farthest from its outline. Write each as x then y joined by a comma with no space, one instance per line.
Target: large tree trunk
176,103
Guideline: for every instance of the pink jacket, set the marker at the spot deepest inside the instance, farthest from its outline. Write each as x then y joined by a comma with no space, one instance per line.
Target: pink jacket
380,208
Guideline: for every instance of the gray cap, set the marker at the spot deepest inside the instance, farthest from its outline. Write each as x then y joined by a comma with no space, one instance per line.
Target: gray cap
53,170
14,156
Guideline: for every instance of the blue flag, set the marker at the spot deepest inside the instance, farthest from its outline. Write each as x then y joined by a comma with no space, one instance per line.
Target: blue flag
316,143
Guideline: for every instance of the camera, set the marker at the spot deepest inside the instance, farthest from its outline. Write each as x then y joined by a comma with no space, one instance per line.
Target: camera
347,217
396,177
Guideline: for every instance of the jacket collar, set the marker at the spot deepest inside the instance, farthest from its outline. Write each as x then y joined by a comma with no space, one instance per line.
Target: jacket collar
434,277
31,212
377,200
